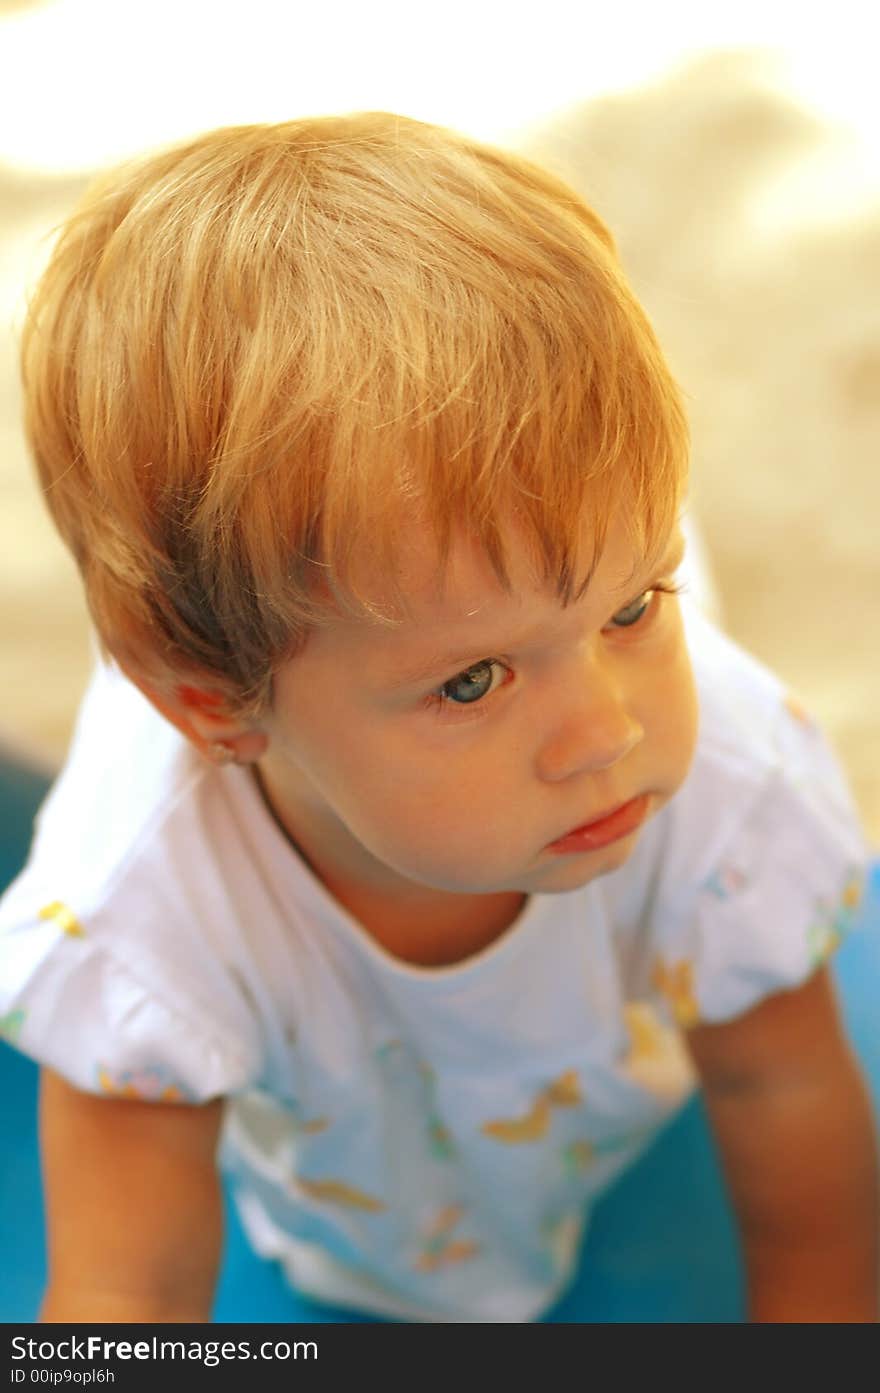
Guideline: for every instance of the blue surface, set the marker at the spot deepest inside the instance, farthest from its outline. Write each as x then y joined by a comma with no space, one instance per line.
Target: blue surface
662,1246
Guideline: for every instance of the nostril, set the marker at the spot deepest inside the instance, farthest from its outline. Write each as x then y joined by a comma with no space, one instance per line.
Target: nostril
589,747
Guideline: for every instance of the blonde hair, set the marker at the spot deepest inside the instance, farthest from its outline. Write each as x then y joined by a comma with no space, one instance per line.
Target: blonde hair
252,354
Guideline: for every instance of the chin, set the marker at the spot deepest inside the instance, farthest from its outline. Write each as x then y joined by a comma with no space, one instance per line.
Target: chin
576,869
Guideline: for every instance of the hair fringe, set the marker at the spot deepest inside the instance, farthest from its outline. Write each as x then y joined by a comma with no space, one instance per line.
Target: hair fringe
254,356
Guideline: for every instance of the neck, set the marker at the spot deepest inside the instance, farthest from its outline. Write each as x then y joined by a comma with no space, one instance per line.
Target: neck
418,924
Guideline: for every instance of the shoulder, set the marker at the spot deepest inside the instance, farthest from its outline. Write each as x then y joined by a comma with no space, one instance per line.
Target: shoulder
752,873
757,747
126,771
741,700
113,939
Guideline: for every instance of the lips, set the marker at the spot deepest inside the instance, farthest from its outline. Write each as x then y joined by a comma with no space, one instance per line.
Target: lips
608,827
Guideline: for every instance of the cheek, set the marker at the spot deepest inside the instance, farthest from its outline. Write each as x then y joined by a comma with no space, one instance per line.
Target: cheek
671,717
444,818
682,716
394,789
434,793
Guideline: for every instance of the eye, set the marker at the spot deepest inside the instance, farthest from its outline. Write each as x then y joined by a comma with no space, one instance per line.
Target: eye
632,615
626,618
473,684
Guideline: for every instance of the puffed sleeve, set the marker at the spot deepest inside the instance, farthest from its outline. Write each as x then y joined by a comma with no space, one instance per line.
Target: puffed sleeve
72,1003
781,880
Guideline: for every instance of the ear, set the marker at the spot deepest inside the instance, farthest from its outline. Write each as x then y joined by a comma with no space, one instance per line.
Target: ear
200,716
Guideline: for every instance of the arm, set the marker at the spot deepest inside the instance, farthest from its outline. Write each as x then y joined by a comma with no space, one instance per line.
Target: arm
797,1141
133,1207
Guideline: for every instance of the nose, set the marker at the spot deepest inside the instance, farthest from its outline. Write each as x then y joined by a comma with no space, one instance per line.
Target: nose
594,729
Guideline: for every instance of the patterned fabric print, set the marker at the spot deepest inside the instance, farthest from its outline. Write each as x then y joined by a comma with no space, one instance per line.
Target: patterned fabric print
657,1060
340,1192
795,707
10,1025
439,1247
563,1092
150,1085
296,1118
311,1128
394,1058
578,1156
832,923
64,918
726,882
676,983
561,1234
398,1067
439,1138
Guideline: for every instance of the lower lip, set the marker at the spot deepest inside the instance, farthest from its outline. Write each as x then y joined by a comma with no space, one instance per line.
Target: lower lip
609,829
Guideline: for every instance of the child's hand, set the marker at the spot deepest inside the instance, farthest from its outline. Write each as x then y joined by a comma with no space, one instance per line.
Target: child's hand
133,1207
796,1135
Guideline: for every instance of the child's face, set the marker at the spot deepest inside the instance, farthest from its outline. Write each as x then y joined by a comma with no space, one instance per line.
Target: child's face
395,782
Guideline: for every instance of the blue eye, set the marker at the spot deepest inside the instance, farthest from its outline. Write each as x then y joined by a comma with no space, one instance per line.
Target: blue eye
471,685
626,618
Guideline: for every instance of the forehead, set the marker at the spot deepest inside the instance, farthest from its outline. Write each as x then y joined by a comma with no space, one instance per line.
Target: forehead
467,595
469,579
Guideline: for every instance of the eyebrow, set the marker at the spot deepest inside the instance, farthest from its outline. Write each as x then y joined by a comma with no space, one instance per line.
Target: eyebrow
438,663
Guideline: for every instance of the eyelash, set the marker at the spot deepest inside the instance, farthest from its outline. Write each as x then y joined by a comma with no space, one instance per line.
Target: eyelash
444,706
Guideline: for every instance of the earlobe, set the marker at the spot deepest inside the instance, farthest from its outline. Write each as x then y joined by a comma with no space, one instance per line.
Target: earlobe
201,718
244,748
221,752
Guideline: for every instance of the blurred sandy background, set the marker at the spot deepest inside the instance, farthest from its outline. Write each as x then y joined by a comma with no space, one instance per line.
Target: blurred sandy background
746,207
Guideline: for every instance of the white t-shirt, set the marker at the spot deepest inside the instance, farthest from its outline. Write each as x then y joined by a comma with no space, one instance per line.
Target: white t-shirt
423,1142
